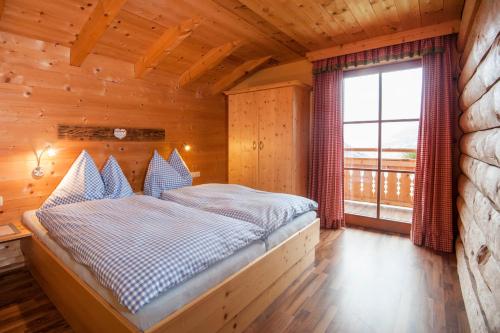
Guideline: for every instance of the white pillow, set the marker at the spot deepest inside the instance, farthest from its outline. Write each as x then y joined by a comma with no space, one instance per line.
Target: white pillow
82,182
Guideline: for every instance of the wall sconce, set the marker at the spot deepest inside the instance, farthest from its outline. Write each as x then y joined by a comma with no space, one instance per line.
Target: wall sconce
186,147
38,170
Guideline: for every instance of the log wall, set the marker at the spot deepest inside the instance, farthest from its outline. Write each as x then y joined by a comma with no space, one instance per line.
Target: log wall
478,204
39,90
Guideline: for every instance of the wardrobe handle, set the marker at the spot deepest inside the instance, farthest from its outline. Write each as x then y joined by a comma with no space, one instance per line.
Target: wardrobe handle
261,145
254,145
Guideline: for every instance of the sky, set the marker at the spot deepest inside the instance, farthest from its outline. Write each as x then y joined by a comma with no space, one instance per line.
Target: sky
401,94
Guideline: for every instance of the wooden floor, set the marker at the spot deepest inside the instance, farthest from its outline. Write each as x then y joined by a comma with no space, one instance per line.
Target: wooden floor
370,282
25,308
362,281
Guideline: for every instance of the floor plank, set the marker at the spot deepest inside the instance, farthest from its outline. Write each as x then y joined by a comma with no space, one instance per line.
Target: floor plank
365,281
362,281
25,308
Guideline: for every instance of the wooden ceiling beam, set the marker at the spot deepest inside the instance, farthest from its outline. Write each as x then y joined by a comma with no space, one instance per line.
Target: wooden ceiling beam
211,59
239,72
165,44
101,17
386,40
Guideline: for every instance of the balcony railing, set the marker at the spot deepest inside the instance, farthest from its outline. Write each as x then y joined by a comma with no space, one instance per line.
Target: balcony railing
397,177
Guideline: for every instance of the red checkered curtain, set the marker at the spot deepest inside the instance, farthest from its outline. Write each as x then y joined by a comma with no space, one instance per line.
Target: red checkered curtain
326,184
432,216
432,211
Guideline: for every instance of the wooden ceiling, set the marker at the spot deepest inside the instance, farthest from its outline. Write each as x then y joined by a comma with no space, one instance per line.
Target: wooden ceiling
214,42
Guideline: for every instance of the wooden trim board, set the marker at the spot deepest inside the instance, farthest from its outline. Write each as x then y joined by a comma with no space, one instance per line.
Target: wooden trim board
430,31
268,86
96,133
237,300
380,224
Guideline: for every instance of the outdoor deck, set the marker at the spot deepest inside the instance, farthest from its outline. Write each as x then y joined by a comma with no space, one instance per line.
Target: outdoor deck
387,212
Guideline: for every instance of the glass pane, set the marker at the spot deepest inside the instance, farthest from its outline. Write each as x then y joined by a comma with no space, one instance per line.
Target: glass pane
401,94
361,98
360,145
399,145
396,196
360,192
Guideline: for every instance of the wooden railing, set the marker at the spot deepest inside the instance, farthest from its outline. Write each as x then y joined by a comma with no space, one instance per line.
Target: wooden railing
397,186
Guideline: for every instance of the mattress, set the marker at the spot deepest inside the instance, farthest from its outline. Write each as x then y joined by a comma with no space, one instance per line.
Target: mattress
169,301
283,233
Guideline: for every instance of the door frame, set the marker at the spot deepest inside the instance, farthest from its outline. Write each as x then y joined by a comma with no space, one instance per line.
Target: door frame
377,222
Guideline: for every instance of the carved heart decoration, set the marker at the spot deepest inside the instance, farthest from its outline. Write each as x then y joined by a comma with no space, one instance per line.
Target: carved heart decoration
120,133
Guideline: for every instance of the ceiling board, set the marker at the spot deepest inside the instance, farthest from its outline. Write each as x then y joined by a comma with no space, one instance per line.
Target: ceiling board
342,15
265,27
99,20
285,30
347,21
129,35
55,21
408,13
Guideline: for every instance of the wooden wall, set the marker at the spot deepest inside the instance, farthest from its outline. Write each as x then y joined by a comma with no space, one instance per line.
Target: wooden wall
39,89
478,247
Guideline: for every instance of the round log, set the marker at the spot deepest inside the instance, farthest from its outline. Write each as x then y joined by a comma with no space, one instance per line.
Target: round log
486,178
484,113
483,146
485,76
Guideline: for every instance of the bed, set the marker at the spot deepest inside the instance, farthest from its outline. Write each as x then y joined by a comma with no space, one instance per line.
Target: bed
225,297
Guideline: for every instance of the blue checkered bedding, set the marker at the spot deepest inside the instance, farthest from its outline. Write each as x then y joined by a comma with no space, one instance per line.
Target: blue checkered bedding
266,209
140,246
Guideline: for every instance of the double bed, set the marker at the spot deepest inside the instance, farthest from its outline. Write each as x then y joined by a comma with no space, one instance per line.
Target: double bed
225,296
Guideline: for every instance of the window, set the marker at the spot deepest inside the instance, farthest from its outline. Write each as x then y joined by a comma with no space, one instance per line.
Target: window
381,115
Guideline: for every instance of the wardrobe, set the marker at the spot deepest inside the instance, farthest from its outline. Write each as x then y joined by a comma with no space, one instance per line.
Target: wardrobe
268,128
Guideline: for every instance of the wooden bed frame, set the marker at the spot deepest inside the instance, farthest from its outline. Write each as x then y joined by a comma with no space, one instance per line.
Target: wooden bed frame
228,307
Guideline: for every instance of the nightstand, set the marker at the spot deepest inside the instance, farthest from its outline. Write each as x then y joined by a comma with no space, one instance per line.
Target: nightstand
11,256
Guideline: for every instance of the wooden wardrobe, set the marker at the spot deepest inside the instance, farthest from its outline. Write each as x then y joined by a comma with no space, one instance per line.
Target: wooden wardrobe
269,137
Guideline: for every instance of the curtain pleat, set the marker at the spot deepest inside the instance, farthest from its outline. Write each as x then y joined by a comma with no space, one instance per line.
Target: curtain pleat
326,184
432,224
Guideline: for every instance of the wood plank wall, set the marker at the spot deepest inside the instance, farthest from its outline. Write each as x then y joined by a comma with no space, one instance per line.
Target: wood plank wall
39,89
478,247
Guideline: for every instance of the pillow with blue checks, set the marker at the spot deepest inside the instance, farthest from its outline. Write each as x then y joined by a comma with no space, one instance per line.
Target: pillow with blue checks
82,182
176,161
161,176
115,183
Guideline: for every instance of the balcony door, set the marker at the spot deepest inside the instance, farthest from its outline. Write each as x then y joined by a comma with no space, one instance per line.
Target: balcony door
381,117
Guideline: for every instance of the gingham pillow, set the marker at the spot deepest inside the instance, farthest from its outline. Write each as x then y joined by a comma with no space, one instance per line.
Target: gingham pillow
82,182
161,176
115,183
176,161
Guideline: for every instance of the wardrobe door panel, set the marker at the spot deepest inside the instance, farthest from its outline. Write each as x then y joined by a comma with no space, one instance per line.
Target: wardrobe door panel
243,140
275,139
